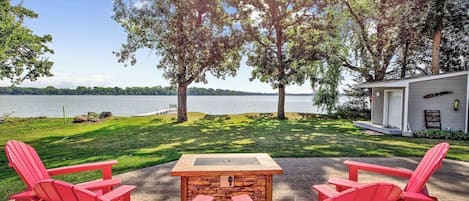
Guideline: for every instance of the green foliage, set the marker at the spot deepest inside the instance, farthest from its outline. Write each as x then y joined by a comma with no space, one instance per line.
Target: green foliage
22,53
374,36
290,41
454,18
417,24
327,93
191,37
353,110
285,39
326,76
442,134
357,105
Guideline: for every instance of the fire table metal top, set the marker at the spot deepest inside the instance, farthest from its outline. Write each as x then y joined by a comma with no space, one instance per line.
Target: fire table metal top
225,164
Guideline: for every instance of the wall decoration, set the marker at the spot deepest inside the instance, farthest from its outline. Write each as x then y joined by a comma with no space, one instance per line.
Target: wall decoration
456,105
441,93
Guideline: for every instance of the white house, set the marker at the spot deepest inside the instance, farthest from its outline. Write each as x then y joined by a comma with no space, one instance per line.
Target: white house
398,106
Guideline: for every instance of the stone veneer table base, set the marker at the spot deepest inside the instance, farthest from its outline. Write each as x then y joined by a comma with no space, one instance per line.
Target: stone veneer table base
253,179
258,187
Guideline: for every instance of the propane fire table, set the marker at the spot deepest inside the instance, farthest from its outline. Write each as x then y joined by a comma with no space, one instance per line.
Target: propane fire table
226,175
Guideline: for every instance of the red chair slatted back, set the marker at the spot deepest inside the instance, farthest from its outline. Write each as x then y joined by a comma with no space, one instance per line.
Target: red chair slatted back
428,165
24,159
370,192
54,190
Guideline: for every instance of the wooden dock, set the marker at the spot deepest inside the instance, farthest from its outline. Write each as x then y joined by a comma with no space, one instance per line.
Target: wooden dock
172,109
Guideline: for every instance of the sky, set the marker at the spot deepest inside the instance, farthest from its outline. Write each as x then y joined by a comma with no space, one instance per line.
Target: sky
84,37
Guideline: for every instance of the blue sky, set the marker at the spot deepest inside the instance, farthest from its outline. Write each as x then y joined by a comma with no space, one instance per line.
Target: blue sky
84,37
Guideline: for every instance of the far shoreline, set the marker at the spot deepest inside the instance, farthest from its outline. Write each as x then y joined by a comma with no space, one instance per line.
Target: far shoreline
312,94
134,91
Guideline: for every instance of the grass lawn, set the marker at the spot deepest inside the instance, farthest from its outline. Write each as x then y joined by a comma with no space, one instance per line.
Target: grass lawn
139,142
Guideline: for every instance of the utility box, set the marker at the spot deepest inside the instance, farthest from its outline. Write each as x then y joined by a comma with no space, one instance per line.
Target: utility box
226,181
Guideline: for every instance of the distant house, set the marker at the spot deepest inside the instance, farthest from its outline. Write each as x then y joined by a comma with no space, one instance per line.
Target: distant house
407,105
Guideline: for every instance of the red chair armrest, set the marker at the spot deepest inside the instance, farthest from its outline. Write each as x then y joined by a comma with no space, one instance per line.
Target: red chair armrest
118,193
408,196
106,167
100,184
343,184
26,195
324,192
355,166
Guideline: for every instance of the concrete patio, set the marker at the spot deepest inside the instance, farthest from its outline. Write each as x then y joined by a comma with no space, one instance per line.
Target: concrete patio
450,183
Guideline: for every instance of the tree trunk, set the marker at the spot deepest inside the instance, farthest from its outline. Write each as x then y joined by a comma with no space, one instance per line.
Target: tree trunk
436,49
439,7
404,59
281,102
281,74
181,76
379,76
182,103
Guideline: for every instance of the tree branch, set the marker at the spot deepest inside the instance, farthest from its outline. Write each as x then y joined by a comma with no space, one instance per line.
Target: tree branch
363,33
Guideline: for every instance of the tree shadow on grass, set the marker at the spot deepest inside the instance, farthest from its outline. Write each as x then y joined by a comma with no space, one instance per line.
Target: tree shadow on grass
159,140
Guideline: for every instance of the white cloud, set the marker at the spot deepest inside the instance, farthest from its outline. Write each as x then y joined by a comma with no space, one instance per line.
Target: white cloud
64,80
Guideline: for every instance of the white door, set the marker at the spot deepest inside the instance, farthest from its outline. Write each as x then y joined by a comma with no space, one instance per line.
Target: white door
394,109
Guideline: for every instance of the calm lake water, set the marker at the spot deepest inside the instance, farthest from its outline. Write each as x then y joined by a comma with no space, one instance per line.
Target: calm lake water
51,106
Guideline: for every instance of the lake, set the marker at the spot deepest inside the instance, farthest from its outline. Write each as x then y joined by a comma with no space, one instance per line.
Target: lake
51,106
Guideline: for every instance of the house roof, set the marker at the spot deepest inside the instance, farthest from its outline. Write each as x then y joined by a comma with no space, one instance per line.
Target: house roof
405,82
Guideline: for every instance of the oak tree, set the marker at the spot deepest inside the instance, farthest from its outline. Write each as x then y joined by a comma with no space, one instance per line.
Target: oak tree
191,37
283,35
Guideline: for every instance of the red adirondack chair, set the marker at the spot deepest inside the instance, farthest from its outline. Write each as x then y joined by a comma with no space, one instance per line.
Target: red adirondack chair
368,192
26,162
55,190
415,189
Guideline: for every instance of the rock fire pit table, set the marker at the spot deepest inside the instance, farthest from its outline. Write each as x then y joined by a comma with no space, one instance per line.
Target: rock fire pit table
226,175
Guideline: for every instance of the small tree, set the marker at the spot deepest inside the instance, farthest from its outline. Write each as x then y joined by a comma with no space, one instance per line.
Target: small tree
22,54
192,37
326,76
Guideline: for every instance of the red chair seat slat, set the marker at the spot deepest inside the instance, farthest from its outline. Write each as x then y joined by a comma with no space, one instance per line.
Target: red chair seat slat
55,190
369,192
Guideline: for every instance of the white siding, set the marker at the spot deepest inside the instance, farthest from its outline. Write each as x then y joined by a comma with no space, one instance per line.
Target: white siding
449,118
377,111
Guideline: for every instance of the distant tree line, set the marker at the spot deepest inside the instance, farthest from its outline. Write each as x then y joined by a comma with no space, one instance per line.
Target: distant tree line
157,90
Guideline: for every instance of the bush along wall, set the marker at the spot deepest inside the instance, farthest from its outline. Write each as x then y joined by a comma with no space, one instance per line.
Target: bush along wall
442,134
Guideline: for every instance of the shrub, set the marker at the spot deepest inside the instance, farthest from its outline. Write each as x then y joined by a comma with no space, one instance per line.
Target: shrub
442,134
353,111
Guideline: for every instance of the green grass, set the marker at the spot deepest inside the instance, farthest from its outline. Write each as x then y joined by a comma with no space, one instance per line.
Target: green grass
146,141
